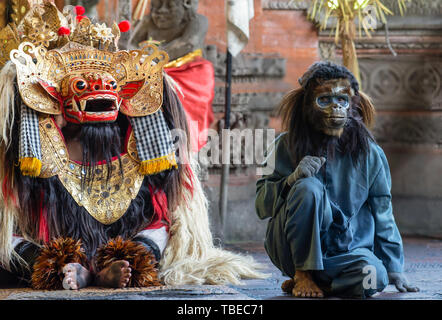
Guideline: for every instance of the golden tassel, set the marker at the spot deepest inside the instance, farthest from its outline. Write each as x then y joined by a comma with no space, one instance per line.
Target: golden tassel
184,59
30,166
157,165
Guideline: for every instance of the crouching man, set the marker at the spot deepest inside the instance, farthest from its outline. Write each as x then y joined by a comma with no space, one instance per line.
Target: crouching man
331,227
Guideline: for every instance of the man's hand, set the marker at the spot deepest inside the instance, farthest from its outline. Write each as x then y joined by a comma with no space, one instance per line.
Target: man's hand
307,167
400,282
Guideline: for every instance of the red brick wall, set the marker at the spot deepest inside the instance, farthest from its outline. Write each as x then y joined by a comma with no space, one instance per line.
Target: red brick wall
286,32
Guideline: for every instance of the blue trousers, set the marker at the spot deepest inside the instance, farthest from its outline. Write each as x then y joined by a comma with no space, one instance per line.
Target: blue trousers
311,234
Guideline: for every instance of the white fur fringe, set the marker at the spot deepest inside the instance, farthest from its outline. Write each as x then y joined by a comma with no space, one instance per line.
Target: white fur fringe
7,210
190,256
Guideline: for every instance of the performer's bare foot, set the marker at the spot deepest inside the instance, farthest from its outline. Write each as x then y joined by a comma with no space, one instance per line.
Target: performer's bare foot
305,287
75,276
117,275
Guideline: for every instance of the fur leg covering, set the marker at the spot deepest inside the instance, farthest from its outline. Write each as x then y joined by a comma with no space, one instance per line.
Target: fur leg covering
141,261
190,256
48,274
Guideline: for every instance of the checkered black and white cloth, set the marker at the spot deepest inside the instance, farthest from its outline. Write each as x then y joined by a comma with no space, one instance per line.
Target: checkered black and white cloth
153,136
29,144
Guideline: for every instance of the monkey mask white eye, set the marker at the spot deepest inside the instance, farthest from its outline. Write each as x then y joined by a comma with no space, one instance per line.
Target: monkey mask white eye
328,100
332,100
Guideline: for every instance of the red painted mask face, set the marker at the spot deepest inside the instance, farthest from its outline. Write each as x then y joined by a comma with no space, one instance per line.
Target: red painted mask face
90,97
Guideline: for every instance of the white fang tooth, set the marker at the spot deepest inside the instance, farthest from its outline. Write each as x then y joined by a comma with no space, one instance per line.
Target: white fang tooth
74,105
83,105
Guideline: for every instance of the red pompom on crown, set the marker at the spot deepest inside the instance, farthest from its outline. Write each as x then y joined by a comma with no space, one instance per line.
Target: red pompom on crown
79,18
124,26
79,10
63,31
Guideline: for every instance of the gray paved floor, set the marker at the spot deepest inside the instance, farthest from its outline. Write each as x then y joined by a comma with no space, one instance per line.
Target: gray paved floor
423,265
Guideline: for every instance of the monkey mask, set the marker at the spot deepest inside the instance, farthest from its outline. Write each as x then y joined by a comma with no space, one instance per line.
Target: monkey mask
329,98
331,102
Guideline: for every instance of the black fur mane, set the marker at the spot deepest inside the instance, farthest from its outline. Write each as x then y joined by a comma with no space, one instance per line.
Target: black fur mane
67,219
304,139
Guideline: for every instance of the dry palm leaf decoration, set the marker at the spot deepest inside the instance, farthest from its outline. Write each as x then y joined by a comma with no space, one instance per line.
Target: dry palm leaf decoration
345,12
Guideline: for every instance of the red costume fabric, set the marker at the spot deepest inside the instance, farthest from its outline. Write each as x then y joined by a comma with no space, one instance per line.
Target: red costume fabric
197,83
159,202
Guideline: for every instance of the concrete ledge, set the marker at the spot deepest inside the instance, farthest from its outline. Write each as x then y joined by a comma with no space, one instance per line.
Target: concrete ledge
189,292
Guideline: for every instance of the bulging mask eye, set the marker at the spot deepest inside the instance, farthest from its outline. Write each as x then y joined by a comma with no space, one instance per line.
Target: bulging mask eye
111,85
79,85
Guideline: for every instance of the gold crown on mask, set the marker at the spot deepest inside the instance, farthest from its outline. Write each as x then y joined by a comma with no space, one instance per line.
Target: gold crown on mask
84,60
44,25
48,59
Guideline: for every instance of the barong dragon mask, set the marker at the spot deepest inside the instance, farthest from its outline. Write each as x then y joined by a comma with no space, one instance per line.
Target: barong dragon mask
87,84
87,157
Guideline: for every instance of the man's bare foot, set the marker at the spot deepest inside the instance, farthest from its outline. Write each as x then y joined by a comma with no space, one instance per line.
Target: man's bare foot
305,286
75,276
117,275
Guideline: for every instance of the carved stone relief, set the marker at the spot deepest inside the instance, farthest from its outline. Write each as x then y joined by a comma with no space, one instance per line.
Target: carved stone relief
403,83
417,7
252,108
284,5
413,128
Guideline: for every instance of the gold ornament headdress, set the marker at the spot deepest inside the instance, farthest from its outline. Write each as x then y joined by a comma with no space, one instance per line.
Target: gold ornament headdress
48,47
44,56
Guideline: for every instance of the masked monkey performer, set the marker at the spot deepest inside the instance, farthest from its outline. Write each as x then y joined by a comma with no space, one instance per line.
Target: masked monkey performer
331,227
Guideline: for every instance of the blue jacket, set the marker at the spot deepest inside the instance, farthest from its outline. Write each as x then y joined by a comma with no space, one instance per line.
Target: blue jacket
359,196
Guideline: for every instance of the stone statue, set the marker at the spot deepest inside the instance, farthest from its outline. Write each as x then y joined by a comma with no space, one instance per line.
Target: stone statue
176,24
89,5
180,31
